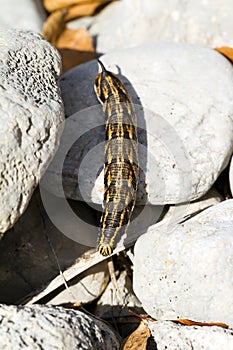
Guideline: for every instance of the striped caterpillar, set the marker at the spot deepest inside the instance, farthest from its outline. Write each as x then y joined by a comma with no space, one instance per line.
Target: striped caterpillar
121,158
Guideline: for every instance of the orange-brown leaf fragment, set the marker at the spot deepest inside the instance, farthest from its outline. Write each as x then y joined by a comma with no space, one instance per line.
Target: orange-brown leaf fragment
54,25
226,51
84,9
53,5
75,47
138,339
142,317
75,39
187,322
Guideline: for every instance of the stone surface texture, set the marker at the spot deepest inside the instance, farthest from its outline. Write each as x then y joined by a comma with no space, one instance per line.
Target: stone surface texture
182,212
136,22
24,14
86,287
168,335
31,113
187,272
184,90
50,328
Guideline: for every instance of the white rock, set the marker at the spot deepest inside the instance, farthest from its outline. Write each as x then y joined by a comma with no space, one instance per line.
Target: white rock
168,335
187,272
24,14
103,18
137,22
86,287
48,328
162,218
186,92
31,112
181,212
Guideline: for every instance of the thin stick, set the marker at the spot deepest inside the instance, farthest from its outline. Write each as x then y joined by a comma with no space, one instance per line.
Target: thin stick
112,274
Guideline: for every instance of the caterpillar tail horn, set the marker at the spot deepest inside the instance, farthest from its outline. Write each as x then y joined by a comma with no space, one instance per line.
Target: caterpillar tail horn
102,66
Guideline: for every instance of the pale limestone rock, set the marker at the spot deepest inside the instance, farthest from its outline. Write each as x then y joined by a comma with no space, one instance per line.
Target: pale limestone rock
50,328
86,287
181,212
135,22
186,93
23,14
186,271
168,335
31,113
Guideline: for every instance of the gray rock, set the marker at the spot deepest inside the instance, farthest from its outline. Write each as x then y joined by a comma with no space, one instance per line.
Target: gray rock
31,113
132,23
186,92
24,14
168,335
27,261
50,328
188,270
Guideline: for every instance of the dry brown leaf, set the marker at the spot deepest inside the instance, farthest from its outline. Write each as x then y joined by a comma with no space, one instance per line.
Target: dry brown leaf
142,317
77,39
86,9
138,339
53,5
226,51
75,47
54,25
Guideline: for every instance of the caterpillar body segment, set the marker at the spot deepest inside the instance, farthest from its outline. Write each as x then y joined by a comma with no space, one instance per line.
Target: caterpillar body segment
121,158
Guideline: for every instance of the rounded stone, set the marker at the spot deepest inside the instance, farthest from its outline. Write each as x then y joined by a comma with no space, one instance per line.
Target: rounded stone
187,271
137,22
49,328
31,115
26,15
169,335
183,98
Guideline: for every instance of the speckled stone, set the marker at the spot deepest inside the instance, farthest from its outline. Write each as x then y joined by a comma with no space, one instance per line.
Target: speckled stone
171,336
52,328
31,114
187,271
186,124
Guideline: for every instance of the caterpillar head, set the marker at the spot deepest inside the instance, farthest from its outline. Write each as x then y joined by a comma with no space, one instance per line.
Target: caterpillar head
105,249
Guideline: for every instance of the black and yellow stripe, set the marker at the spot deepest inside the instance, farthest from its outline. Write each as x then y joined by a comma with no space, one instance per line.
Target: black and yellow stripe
121,158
